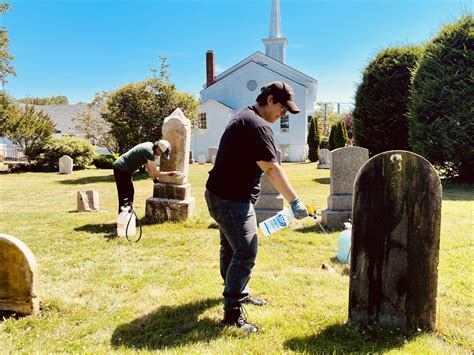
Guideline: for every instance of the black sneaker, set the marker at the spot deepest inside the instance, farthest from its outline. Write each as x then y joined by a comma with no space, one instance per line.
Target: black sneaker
237,317
255,301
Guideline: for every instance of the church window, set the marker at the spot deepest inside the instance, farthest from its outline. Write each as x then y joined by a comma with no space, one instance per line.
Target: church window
251,85
202,124
285,124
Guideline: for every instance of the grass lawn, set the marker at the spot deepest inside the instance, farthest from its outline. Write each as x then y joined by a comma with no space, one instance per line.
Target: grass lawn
164,293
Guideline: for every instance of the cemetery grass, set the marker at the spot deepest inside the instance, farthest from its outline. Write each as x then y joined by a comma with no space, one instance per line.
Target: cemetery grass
102,295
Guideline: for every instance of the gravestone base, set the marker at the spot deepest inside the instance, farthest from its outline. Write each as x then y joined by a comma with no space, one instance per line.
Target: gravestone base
160,210
265,214
323,166
169,191
268,205
340,202
21,308
335,219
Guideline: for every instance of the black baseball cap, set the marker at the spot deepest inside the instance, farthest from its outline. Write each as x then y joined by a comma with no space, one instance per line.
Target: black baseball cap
283,93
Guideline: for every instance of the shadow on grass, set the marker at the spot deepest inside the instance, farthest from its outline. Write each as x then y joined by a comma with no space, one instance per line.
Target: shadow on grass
342,338
324,181
88,180
169,327
314,228
454,191
108,229
97,179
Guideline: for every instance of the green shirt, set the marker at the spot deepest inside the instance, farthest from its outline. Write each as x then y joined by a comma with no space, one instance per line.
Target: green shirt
135,157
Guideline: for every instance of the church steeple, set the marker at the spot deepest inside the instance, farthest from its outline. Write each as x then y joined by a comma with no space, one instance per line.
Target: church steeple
275,44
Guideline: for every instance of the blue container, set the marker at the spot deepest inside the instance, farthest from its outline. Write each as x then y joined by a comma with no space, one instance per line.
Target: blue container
344,244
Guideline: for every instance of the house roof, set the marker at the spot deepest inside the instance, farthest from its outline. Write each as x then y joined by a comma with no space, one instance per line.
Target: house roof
62,116
212,101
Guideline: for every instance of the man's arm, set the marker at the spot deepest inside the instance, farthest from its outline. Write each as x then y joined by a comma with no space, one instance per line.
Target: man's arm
154,173
278,178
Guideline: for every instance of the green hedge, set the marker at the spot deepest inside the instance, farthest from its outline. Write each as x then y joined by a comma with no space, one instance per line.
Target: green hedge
380,120
104,162
442,101
80,150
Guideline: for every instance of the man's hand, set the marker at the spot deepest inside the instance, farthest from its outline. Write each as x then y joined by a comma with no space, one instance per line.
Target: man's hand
298,208
175,174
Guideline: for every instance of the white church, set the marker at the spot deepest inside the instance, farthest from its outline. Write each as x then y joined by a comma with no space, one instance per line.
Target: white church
237,87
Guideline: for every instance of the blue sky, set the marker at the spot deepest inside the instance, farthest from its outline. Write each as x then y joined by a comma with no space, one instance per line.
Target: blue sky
77,48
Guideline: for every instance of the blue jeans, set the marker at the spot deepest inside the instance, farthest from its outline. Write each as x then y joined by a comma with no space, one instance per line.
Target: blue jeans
239,244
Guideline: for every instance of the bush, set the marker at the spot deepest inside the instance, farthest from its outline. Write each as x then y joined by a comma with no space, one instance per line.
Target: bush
80,150
314,139
104,162
442,101
338,136
380,120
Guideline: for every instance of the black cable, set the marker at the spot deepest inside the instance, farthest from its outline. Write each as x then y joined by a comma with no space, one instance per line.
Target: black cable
139,224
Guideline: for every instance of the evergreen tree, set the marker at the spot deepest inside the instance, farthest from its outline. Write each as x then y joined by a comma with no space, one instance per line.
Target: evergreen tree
314,139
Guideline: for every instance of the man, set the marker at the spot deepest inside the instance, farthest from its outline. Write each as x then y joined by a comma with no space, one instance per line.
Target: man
130,161
245,151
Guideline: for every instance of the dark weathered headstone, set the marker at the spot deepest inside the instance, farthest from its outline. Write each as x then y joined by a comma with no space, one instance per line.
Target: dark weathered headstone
395,242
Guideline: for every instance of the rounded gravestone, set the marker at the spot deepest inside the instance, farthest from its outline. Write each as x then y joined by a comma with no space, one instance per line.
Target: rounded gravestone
395,242
18,277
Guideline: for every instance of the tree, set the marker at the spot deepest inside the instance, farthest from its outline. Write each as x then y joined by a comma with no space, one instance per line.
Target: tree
93,125
28,129
6,67
442,101
381,102
136,111
314,139
54,100
338,136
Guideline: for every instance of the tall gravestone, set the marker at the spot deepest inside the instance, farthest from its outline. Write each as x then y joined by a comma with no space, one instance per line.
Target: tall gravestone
345,163
270,201
172,200
324,161
65,164
395,242
18,277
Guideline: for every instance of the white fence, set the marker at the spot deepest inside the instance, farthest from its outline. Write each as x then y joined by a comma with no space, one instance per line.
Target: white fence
11,152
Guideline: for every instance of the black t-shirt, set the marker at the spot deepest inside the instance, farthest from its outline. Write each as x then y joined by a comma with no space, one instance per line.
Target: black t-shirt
247,139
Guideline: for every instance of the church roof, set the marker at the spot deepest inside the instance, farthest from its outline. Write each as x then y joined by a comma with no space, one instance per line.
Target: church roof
272,64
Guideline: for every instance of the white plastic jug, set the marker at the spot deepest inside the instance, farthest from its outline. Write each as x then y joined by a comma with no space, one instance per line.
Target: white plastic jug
123,220
344,244
277,222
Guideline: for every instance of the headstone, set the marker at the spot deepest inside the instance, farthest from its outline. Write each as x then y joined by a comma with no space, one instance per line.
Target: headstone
88,201
172,199
395,242
213,159
345,163
202,159
270,201
65,165
18,278
212,152
191,157
324,160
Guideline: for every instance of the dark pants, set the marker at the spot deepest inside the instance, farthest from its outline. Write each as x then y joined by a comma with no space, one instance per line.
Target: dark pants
239,244
125,189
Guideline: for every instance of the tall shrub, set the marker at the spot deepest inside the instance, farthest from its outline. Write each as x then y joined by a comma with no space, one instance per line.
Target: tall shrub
338,136
380,120
136,111
442,101
314,139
